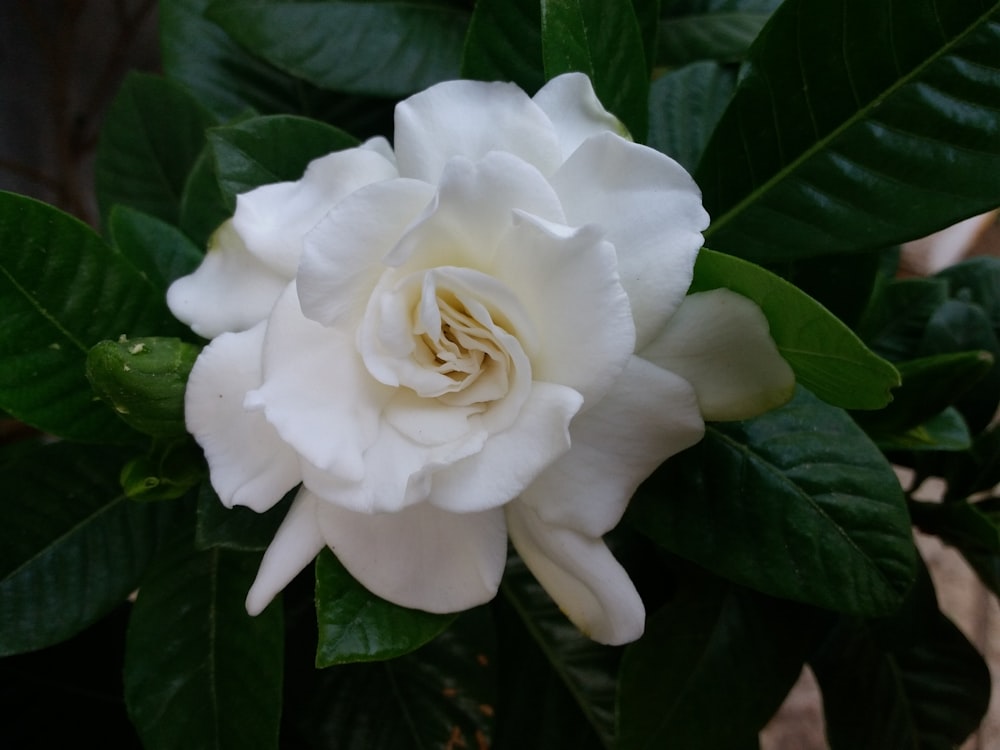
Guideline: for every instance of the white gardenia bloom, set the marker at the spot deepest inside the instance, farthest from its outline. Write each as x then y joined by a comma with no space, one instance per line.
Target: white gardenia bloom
479,334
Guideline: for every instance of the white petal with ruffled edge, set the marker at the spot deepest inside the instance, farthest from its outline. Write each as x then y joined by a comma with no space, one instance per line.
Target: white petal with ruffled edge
230,291
652,212
649,415
719,341
250,464
471,119
581,575
576,112
420,557
295,545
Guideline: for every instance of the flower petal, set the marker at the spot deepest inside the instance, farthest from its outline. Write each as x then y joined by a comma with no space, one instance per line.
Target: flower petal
295,545
250,465
651,209
581,575
649,415
570,102
471,119
420,557
719,341
232,290
273,219
511,459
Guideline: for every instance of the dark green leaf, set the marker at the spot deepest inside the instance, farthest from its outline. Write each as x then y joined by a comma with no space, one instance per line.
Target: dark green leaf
601,38
356,625
647,13
713,640
504,43
71,546
827,357
159,251
203,207
61,291
169,470
856,126
151,138
976,280
961,524
979,469
385,48
270,149
911,681
711,29
895,325
796,503
946,431
236,528
199,671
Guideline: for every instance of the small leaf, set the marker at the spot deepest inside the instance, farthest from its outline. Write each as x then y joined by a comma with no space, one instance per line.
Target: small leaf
355,625
946,431
159,251
166,472
827,357
504,43
796,503
199,671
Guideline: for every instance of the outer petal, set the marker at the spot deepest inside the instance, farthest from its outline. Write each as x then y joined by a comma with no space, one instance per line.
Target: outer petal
274,218
570,102
719,342
649,415
421,557
581,575
470,119
511,459
231,290
250,464
651,209
296,543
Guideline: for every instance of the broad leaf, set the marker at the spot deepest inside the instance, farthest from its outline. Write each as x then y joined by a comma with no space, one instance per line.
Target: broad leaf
384,48
856,126
355,625
72,547
715,639
159,251
796,503
601,38
827,357
199,671
710,29
150,140
504,43
62,289
236,528
203,207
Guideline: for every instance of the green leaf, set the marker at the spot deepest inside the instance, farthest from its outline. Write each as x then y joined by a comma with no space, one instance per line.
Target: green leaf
720,30
356,625
968,526
169,470
684,107
236,528
587,669
827,357
946,431
601,38
714,639
199,671
796,503
203,207
976,280
856,126
504,43
276,148
61,291
441,696
384,48
151,138
159,251
909,681
894,326
72,547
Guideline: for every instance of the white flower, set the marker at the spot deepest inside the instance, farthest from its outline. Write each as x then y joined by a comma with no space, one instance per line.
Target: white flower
480,333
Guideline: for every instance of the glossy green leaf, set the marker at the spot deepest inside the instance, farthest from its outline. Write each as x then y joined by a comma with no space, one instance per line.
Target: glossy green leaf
827,357
441,696
158,250
275,148
976,280
384,48
856,126
715,639
356,625
236,528
199,671
167,471
796,503
203,207
152,135
601,38
895,324
946,431
710,29
504,43
72,547
62,289
909,681
684,107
